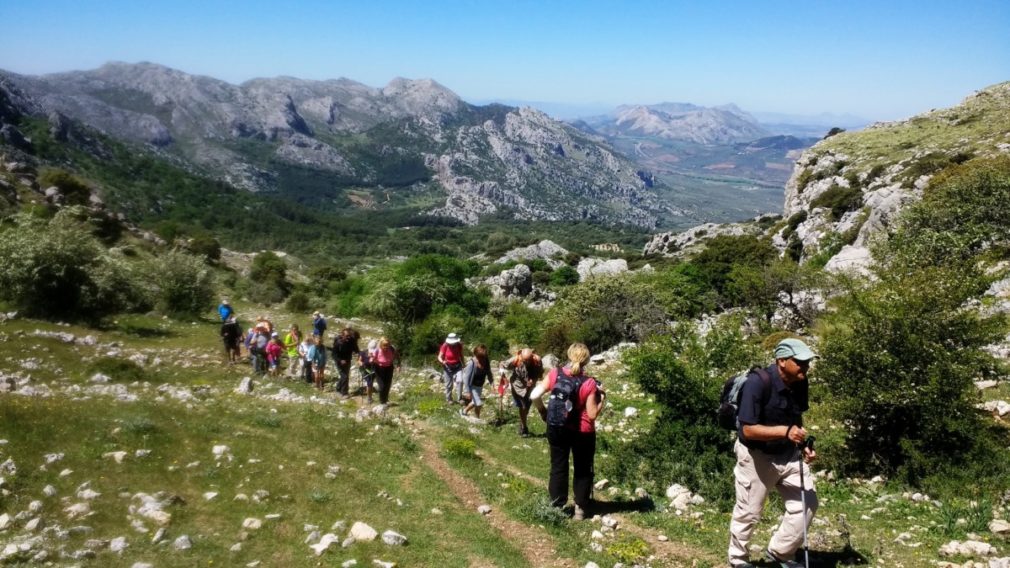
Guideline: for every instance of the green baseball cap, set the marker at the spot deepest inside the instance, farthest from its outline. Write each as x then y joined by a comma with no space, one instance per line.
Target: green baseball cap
793,349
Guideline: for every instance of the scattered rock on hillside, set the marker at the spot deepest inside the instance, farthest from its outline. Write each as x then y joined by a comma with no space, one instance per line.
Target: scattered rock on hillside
594,267
394,538
1000,407
972,548
324,543
245,387
545,250
999,527
362,532
182,543
484,509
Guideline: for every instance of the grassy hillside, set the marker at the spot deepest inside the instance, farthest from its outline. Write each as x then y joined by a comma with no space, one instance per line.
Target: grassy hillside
301,462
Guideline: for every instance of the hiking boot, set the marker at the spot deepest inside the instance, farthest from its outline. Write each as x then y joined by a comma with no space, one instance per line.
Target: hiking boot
779,562
462,412
579,515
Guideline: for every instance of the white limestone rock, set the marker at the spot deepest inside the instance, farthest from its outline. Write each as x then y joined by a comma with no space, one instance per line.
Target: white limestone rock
362,532
393,538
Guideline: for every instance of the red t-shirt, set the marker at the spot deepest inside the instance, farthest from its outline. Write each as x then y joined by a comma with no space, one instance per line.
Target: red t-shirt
451,354
586,424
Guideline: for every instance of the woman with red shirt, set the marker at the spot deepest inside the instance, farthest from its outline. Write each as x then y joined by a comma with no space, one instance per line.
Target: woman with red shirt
578,437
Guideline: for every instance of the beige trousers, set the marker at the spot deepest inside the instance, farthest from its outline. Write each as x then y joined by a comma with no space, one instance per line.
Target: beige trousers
756,473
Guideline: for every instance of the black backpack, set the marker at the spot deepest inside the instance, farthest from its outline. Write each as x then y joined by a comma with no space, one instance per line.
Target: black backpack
564,400
729,402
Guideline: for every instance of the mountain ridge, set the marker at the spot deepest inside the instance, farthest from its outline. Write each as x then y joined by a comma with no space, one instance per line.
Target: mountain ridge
406,133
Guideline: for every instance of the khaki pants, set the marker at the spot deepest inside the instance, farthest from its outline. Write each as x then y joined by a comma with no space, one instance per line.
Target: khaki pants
756,473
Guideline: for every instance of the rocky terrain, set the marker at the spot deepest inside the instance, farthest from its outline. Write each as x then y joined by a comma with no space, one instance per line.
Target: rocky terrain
848,189
408,134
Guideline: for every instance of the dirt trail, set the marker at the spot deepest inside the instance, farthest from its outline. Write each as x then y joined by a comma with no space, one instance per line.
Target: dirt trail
672,553
537,546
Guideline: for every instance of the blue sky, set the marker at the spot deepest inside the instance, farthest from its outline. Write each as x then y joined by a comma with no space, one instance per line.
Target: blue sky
876,59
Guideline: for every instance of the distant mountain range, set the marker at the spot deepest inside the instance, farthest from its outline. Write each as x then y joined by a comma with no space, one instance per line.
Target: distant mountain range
680,121
339,143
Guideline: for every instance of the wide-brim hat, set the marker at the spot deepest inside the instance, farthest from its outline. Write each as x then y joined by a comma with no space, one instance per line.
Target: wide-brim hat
793,349
452,339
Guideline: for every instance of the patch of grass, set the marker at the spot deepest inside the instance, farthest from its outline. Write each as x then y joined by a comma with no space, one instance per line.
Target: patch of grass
627,549
117,369
459,448
267,420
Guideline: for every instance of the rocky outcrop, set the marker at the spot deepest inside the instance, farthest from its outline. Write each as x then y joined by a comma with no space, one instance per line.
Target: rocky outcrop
850,188
595,267
544,250
678,244
542,169
516,282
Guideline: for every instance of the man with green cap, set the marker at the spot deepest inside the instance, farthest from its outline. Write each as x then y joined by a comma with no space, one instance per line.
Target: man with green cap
770,442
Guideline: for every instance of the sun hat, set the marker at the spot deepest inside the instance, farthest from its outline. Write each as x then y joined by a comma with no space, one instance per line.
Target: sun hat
452,339
793,349
224,301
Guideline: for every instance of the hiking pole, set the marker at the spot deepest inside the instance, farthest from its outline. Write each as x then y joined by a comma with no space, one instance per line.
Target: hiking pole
808,443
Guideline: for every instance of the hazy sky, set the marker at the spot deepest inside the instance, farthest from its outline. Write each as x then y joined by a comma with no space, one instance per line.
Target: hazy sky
877,59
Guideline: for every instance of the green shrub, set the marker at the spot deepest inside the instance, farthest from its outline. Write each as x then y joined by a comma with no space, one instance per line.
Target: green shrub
522,325
602,312
627,549
182,284
899,358
268,278
118,369
839,200
74,190
962,214
54,268
794,221
459,448
298,302
724,253
536,509
564,276
206,246
932,163
685,373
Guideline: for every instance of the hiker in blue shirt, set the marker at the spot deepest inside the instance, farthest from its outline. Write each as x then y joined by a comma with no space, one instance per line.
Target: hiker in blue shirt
318,325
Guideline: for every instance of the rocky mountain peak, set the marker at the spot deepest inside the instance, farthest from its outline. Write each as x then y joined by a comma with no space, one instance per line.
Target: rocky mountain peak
421,96
681,121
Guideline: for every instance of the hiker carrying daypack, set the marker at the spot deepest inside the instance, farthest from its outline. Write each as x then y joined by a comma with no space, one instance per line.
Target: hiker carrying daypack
563,404
729,402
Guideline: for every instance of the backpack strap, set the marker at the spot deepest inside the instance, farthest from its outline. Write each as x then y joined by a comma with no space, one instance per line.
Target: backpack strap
766,382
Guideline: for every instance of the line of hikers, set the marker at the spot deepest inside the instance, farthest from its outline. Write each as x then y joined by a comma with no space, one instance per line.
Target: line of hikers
764,406
306,355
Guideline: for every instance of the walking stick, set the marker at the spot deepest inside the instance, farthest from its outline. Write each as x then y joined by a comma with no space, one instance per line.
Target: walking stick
808,443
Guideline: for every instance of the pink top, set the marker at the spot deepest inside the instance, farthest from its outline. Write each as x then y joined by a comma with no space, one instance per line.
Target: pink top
586,424
274,351
384,357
